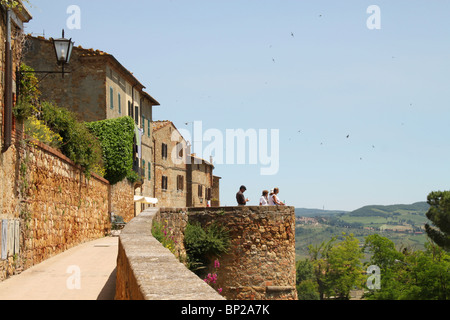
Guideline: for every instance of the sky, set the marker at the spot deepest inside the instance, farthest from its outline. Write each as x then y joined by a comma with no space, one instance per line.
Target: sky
359,98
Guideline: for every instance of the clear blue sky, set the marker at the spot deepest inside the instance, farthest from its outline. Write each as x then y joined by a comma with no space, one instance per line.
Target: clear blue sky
235,64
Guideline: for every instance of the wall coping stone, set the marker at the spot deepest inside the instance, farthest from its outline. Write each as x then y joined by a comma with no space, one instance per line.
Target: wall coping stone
158,274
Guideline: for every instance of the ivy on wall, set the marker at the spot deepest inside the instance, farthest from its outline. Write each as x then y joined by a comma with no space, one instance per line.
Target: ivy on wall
116,137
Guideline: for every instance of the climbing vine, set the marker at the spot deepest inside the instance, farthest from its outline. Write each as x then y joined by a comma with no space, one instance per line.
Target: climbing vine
116,137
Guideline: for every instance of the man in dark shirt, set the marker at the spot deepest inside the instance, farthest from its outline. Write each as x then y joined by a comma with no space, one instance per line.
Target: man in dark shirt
240,198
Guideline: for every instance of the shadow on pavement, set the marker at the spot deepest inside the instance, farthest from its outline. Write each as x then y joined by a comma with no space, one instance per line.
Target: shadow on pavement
109,290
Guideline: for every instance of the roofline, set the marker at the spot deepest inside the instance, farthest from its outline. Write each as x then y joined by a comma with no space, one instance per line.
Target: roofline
125,70
152,100
22,12
203,160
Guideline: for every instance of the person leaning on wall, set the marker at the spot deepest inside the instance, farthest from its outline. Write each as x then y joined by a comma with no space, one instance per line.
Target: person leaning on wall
264,201
275,200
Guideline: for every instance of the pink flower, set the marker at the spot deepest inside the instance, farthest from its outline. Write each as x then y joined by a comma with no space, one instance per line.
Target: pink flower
217,264
220,290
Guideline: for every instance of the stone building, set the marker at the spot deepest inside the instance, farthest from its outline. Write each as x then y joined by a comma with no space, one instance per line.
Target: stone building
99,87
181,179
169,165
200,181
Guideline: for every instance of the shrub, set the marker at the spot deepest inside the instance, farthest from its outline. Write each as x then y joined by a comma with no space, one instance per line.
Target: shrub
204,244
163,234
37,130
78,144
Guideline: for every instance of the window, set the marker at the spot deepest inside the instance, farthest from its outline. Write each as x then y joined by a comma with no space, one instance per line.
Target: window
130,109
164,183
119,104
164,151
143,164
148,131
208,194
200,191
180,183
180,150
111,98
136,114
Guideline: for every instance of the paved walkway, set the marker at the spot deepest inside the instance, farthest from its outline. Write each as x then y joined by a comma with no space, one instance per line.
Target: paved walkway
86,272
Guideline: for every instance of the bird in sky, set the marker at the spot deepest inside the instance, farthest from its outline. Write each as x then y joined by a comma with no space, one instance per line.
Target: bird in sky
292,34
348,136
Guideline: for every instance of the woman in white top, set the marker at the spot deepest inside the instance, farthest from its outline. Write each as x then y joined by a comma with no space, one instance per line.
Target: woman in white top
264,201
271,203
274,198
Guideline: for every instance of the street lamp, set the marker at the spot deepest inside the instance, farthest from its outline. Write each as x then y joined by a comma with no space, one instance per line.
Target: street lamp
63,50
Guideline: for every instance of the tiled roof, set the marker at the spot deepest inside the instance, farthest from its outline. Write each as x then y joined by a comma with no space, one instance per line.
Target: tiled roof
157,125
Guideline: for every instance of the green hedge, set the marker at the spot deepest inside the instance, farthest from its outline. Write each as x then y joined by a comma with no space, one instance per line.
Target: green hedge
116,137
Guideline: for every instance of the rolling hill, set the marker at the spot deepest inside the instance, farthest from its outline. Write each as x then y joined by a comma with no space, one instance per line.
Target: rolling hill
402,223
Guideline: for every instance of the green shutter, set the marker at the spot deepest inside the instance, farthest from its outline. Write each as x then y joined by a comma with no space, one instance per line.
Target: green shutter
111,96
120,103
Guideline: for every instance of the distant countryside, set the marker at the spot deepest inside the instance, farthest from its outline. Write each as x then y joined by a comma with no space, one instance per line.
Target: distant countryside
402,224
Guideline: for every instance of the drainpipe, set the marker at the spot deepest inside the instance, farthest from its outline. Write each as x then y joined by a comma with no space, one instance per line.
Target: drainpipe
132,102
8,100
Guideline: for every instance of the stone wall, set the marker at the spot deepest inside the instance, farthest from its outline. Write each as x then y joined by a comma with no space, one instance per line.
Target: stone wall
260,264
53,204
148,271
2,71
122,200
56,206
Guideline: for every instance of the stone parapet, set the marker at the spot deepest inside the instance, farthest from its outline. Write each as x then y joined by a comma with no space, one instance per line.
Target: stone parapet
148,271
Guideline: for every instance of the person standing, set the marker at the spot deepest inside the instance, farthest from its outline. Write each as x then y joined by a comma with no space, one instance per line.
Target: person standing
264,201
240,198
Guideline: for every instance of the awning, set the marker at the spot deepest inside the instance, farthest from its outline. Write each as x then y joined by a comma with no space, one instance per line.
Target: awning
146,200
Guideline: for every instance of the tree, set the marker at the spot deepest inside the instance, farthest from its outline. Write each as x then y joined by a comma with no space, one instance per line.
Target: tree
345,268
319,257
405,275
390,261
439,215
337,267
305,281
